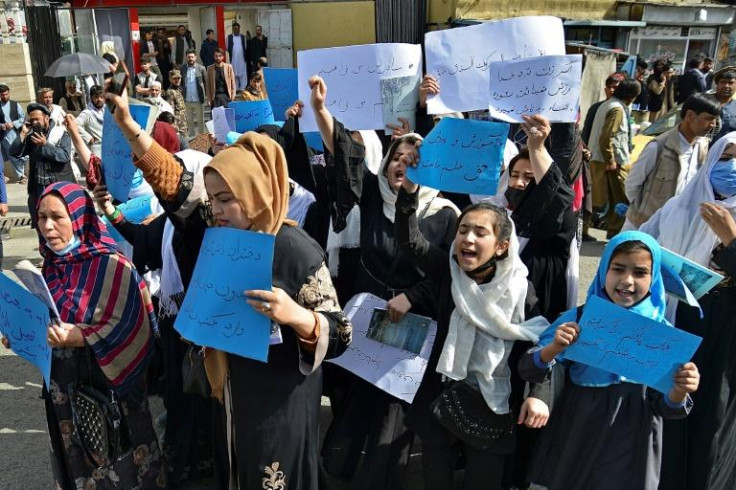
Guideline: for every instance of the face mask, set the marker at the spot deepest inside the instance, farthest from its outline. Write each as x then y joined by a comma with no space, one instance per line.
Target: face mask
513,196
723,178
73,243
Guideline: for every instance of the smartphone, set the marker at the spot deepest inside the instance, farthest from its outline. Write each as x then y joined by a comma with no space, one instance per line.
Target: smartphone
116,85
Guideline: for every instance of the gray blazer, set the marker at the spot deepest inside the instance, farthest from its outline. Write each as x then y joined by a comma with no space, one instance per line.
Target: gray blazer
201,76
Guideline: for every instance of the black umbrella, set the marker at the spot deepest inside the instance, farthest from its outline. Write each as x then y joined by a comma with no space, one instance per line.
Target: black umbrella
78,64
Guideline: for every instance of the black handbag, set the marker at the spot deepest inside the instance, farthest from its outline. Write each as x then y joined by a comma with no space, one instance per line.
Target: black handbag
98,421
194,375
462,410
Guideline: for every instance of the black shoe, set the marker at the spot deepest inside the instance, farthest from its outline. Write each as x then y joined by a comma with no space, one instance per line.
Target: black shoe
588,238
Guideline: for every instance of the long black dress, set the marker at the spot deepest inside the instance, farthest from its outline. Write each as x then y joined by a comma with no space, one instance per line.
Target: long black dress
383,269
700,451
436,440
187,442
275,405
544,216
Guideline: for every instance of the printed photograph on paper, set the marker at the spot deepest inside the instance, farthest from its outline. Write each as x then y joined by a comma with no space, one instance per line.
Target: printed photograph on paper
408,334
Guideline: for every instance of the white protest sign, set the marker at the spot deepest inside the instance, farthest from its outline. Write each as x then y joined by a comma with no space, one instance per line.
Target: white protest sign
460,59
546,85
353,76
396,371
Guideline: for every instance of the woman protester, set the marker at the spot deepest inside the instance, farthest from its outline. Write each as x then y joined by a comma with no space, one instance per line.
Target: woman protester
384,271
483,299
160,245
699,452
539,199
273,407
104,340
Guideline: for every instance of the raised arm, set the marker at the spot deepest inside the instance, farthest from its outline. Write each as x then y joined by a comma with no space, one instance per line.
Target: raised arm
537,130
77,140
324,119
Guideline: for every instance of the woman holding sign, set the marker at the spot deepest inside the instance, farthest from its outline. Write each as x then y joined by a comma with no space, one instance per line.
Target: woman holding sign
387,272
103,342
606,430
700,451
470,401
272,408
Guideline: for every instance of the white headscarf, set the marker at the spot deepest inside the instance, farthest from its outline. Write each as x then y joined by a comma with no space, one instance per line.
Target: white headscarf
299,203
429,203
486,320
678,226
171,292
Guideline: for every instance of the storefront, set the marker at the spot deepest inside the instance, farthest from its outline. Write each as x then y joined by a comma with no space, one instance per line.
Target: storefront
676,32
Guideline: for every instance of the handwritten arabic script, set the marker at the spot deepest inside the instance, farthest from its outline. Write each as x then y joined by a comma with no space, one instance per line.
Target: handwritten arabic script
117,157
353,75
24,320
462,155
396,371
252,114
215,313
548,85
625,343
462,58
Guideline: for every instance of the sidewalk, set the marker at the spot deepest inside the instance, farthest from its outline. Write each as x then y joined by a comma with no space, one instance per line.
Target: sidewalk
19,240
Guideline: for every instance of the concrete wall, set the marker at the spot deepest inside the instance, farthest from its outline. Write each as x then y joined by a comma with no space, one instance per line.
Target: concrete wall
325,25
16,72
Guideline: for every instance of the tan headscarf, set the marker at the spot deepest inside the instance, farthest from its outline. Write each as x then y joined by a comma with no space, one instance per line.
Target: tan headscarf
255,170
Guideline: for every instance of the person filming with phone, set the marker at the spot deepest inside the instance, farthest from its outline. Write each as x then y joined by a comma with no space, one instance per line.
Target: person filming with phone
48,148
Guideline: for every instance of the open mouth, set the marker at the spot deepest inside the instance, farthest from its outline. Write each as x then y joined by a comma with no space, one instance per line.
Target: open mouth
625,293
399,175
468,254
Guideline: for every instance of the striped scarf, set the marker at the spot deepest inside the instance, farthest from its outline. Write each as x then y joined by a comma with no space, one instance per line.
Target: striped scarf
99,291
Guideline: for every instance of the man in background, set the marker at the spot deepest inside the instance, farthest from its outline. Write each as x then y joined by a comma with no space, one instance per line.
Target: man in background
207,50
182,44
11,120
193,90
237,52
257,50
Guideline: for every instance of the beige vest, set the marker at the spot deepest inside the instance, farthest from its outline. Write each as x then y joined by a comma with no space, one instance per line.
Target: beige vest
661,184
620,136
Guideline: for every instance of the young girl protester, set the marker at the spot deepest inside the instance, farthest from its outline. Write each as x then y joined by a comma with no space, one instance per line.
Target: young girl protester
606,431
272,408
700,451
384,270
482,301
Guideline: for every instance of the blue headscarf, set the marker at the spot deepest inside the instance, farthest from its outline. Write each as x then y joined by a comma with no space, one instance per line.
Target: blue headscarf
653,306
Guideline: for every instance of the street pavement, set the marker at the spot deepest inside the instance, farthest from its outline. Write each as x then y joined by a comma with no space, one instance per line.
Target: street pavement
24,464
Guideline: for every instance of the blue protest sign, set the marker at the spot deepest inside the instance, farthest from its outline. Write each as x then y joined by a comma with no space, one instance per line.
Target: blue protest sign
282,88
24,320
117,157
314,140
461,155
215,312
252,114
627,344
137,209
